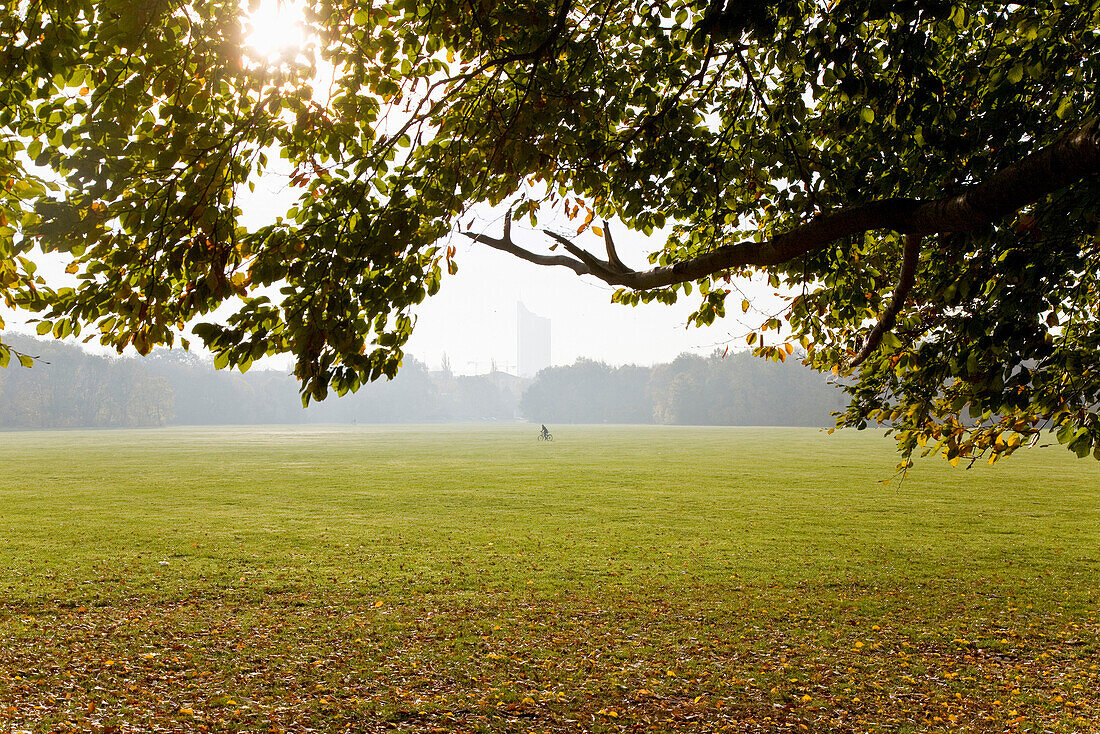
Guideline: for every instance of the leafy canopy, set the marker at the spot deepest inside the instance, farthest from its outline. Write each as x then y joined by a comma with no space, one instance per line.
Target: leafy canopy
921,174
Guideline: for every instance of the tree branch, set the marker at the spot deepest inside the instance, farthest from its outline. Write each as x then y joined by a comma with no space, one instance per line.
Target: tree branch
505,244
612,256
596,266
1071,159
906,280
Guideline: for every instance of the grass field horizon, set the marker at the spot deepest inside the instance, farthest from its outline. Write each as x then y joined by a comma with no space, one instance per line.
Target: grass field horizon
465,578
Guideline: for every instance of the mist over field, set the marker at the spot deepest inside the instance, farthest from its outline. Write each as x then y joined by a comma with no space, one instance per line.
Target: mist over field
69,388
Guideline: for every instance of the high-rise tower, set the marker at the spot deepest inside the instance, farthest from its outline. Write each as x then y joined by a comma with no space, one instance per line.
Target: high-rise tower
532,342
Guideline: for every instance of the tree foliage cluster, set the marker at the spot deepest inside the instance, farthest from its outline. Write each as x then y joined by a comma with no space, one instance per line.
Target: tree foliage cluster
922,175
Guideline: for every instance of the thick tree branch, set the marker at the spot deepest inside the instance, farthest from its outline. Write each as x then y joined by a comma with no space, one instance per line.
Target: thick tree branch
906,280
1071,159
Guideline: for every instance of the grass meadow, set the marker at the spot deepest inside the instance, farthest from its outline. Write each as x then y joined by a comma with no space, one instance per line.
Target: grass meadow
463,579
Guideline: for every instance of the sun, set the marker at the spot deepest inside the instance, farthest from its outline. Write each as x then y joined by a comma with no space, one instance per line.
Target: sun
273,30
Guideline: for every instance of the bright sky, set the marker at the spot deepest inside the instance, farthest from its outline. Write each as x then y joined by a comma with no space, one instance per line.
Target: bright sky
473,318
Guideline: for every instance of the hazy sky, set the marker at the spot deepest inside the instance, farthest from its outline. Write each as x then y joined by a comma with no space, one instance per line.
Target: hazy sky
473,318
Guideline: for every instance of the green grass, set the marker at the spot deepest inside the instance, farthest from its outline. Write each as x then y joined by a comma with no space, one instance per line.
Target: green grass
471,578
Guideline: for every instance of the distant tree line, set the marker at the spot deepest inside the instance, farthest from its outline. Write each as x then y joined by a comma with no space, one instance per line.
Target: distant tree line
734,390
69,388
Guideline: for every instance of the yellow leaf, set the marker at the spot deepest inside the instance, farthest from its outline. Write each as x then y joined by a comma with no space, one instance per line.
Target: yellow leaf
72,267
598,231
377,604
745,305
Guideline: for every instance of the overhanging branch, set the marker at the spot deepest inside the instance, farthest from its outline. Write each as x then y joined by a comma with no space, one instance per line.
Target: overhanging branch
1072,158
595,265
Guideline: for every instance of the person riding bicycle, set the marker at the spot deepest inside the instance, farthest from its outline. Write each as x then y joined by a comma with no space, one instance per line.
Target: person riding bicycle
545,432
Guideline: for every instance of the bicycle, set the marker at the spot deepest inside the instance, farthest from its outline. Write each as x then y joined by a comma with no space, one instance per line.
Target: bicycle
546,436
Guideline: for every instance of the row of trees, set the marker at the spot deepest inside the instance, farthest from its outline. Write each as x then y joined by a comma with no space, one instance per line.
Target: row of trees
69,388
736,390
204,396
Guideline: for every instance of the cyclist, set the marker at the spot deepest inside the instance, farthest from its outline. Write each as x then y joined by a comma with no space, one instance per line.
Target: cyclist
545,433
